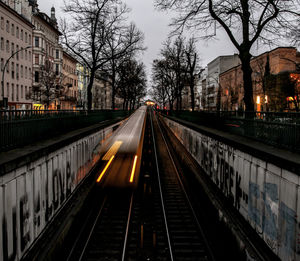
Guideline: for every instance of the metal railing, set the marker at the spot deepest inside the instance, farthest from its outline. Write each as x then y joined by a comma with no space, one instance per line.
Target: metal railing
22,127
278,129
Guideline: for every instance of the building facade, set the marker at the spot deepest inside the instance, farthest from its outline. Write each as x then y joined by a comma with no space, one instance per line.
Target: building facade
214,69
83,74
47,60
69,84
101,94
272,72
16,55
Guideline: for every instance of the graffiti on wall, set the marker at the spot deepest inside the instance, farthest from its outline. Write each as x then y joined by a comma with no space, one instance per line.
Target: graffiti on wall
254,187
31,195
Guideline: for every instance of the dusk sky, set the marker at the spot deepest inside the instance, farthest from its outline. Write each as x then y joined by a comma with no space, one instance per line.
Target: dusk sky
154,25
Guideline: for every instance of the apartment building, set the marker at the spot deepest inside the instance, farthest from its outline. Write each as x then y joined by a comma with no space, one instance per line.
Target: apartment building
69,84
214,69
15,54
267,95
47,59
102,92
83,80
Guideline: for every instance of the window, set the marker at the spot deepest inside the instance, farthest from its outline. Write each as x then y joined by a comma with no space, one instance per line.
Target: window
26,92
26,38
22,92
17,32
17,54
25,72
57,54
36,76
12,48
7,26
22,53
7,46
12,92
12,29
36,59
25,54
36,41
12,70
29,73
22,34
7,67
2,44
7,90
29,57
2,64
57,69
29,38
17,92
17,71
2,23
21,72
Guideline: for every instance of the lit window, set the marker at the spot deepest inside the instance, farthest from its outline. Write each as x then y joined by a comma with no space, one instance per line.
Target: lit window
257,99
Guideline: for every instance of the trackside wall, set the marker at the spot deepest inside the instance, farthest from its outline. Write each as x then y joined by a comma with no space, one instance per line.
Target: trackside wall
31,195
266,195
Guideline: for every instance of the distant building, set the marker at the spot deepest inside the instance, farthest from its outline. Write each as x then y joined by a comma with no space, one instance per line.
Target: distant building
101,94
83,80
214,69
270,89
46,51
15,42
69,83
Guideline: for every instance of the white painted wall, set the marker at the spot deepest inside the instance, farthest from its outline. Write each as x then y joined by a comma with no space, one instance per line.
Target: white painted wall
31,195
265,195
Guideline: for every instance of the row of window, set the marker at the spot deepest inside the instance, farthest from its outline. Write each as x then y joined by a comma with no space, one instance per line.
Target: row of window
17,71
15,30
16,92
71,81
38,42
69,69
12,48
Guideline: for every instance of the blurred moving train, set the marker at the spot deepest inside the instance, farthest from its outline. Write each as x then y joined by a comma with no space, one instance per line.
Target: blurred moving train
122,153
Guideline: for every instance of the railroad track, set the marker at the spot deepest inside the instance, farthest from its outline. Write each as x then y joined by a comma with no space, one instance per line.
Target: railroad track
156,221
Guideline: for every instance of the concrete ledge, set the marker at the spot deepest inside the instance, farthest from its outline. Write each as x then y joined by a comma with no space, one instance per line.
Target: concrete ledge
282,158
17,158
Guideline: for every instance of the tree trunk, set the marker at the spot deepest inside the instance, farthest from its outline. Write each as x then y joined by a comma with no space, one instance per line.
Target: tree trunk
192,97
247,72
89,90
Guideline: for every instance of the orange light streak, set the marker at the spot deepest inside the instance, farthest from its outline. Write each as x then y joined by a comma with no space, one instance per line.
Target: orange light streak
133,169
106,167
113,150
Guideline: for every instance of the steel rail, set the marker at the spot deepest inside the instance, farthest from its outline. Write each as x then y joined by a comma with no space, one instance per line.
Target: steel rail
186,195
127,227
160,190
92,229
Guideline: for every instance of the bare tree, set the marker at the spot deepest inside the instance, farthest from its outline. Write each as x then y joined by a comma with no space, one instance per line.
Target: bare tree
192,67
131,82
164,79
131,38
244,21
49,85
88,33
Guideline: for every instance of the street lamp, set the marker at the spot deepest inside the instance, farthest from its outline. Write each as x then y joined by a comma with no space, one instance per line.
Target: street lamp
3,70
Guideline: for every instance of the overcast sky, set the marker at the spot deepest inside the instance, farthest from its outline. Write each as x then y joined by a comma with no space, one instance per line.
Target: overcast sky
154,24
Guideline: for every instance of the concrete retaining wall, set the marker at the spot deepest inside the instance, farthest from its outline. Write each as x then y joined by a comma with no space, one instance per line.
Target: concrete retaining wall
32,194
266,195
